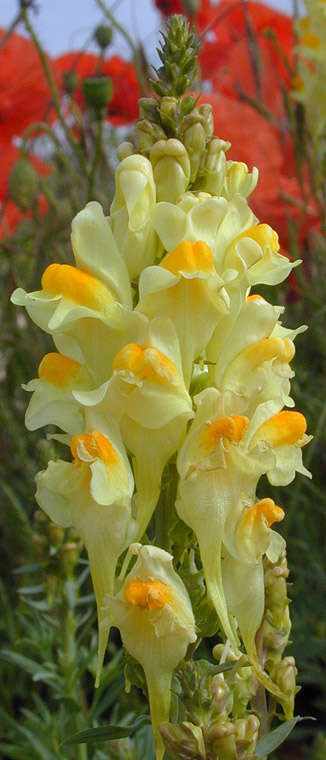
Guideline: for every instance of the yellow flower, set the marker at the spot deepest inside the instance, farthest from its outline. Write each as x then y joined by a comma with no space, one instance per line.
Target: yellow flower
93,495
154,615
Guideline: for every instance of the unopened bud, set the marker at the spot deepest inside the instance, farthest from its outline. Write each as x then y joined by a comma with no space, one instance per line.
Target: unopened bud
169,111
183,740
147,134
97,92
148,109
23,185
246,736
238,180
284,676
219,651
125,149
171,169
220,741
103,35
221,694
195,142
212,170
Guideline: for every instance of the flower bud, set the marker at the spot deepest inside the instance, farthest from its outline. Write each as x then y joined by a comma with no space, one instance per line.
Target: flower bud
56,534
221,694
168,111
124,150
284,675
238,180
103,35
148,109
211,174
97,92
171,169
70,552
220,741
246,736
147,134
194,141
183,740
23,184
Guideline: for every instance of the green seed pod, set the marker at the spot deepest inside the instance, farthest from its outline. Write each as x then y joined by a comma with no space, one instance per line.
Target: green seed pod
103,35
23,185
97,92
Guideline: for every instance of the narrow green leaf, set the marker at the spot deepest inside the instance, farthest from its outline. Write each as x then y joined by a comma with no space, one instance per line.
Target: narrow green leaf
30,666
105,733
271,741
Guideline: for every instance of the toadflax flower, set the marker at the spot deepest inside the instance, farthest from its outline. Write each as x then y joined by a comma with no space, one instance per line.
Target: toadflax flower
155,618
93,495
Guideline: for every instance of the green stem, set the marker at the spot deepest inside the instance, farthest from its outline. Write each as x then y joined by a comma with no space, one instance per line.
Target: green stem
56,101
69,657
129,40
97,154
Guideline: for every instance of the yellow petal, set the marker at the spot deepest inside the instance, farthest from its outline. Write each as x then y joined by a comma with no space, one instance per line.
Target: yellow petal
189,257
77,286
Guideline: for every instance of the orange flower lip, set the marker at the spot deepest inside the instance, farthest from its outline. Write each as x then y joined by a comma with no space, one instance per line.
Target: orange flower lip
263,234
283,429
149,595
233,428
77,286
189,257
95,445
58,369
266,507
146,363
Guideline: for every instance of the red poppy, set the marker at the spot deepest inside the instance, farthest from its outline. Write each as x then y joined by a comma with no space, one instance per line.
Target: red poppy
278,197
24,93
238,58
123,106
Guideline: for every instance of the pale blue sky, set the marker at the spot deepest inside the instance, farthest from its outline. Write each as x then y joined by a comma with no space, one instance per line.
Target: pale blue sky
65,24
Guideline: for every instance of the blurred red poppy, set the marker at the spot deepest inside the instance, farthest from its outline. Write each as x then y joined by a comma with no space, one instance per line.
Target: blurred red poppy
278,197
24,93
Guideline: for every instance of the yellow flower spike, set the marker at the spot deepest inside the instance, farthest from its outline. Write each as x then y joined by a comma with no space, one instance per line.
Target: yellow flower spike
154,615
52,402
186,288
283,429
93,495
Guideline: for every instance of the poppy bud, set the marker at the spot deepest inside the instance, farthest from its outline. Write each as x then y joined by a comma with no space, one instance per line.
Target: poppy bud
23,185
97,92
103,35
